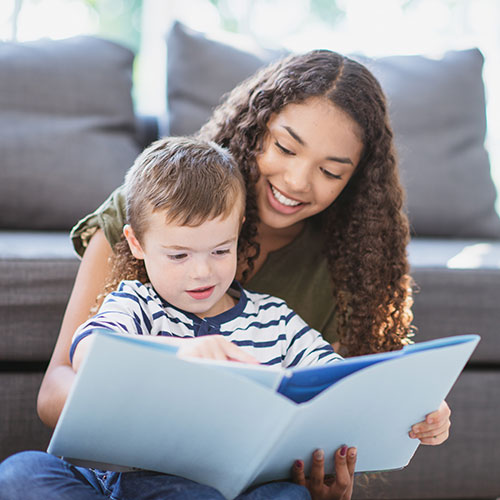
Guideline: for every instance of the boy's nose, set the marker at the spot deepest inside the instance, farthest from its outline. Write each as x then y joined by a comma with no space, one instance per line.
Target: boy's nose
201,268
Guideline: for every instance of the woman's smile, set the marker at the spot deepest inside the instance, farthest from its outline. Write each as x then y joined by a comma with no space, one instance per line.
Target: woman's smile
281,202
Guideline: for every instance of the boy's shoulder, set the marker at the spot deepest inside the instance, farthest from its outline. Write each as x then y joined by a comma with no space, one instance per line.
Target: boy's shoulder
134,289
264,300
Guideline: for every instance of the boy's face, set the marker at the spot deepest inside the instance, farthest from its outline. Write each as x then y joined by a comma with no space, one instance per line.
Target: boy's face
190,267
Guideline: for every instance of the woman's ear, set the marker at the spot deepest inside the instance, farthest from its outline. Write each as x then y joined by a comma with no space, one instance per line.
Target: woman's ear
133,242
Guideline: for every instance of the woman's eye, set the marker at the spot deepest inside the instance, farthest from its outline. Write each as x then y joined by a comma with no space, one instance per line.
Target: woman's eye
331,175
177,256
283,149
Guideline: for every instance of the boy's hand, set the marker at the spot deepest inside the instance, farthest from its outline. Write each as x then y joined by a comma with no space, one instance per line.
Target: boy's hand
338,488
435,429
213,347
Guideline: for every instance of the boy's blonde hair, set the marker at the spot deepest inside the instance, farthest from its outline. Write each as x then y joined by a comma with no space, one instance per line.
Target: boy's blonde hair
190,180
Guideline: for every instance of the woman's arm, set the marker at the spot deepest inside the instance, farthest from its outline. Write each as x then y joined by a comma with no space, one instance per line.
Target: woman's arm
89,283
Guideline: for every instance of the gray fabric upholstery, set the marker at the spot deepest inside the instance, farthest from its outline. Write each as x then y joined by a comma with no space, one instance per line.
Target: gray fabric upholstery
20,427
67,129
200,70
437,108
33,297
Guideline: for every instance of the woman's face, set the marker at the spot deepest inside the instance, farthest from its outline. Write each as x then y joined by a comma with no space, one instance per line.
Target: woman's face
310,152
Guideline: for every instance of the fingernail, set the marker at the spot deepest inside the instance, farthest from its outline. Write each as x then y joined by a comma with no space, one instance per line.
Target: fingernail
343,451
299,464
412,435
319,454
430,420
352,453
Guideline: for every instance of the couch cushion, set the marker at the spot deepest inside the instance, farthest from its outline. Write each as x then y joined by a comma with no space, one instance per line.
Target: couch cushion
437,108
67,129
37,271
20,427
200,70
457,292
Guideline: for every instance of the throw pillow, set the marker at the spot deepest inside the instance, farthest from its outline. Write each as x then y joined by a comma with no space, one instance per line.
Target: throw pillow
67,129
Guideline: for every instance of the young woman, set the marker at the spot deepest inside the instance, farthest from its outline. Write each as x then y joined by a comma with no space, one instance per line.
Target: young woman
312,136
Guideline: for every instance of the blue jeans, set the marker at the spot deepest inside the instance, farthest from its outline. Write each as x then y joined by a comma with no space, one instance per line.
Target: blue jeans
35,475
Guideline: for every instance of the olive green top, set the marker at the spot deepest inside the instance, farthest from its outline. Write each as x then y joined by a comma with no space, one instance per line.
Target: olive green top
296,273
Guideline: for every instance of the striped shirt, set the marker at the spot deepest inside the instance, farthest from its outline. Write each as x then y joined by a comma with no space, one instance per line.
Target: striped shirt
260,324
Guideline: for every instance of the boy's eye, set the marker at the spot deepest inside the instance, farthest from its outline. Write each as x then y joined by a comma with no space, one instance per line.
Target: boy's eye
330,175
283,149
222,252
177,256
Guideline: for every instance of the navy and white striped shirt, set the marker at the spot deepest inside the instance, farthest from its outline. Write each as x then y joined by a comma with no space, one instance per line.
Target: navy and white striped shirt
262,325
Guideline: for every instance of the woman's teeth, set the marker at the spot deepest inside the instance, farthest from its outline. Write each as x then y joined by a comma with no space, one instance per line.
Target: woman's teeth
283,199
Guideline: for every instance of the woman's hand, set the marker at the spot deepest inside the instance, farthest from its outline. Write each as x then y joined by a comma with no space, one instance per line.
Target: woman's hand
213,347
337,488
435,429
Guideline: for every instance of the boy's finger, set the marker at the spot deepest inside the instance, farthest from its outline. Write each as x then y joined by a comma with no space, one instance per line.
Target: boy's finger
235,353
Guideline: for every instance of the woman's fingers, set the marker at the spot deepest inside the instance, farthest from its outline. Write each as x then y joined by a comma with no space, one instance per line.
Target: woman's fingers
435,429
340,488
343,474
352,455
317,476
438,437
298,474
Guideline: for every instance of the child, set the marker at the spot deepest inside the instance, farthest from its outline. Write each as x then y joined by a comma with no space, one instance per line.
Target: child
185,208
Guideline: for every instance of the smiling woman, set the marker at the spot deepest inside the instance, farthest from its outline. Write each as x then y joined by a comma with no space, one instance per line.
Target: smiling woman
309,154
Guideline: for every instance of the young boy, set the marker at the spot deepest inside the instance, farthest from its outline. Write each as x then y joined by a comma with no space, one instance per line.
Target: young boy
185,208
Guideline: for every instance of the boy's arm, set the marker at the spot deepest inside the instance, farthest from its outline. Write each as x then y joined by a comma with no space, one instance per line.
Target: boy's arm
120,313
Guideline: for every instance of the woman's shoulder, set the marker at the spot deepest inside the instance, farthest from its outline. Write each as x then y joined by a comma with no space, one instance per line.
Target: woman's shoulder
109,217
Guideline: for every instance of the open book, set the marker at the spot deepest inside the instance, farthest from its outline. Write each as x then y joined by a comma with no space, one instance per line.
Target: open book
135,404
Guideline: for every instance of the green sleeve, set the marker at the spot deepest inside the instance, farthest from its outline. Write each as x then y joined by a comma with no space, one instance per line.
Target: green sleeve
110,217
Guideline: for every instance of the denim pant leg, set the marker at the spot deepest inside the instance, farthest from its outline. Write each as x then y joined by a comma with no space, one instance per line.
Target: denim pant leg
146,485
276,491
35,475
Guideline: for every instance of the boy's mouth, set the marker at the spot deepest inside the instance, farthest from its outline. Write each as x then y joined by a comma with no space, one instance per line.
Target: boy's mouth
201,293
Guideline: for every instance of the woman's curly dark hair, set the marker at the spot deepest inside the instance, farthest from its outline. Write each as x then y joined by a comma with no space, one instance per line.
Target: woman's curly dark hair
366,231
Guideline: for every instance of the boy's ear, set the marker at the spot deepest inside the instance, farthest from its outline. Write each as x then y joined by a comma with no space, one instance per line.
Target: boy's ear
133,242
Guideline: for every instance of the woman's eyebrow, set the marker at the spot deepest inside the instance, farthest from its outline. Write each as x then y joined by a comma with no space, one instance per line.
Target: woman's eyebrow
337,159
294,135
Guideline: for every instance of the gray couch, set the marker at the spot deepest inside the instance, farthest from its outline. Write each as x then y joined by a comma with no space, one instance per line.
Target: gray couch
68,133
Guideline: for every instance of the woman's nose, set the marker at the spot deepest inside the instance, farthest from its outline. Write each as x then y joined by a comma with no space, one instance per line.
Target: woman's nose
298,177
